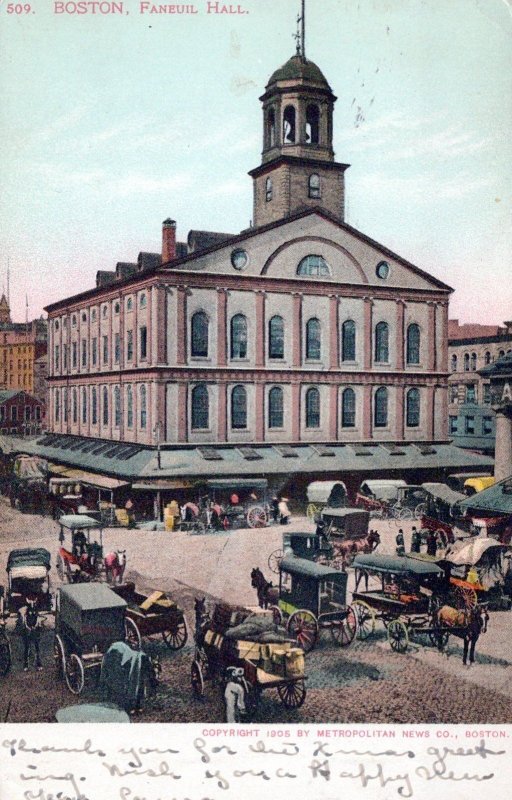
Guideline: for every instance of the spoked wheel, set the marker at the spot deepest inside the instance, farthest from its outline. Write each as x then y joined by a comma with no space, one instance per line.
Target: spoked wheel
74,674
397,636
303,627
274,560
463,597
292,695
406,513
343,631
277,616
59,655
5,654
365,619
312,511
176,637
257,517
59,566
420,510
197,679
132,634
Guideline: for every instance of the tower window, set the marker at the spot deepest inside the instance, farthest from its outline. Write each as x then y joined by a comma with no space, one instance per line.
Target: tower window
268,190
289,125
314,266
312,125
314,186
271,128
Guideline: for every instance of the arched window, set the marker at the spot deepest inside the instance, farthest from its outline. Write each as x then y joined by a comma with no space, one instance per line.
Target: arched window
129,406
501,354
466,362
199,330
117,406
413,408
239,407
348,409
268,190
313,338
84,405
57,405
65,405
275,407
348,340
238,336
413,344
56,324
143,407
94,406
312,124
382,342
380,417
276,337
314,186
314,266
129,304
289,125
454,363
200,407
271,128
312,408
105,405
487,357
473,361
143,300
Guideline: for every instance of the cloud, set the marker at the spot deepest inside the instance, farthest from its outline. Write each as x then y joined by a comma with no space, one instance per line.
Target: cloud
421,188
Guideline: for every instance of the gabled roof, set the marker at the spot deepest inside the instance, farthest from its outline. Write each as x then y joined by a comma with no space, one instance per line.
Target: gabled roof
8,394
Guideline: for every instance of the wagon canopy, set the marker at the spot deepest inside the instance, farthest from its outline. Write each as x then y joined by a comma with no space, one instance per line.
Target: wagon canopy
382,489
442,492
309,569
237,483
78,522
470,552
28,558
333,493
30,468
398,565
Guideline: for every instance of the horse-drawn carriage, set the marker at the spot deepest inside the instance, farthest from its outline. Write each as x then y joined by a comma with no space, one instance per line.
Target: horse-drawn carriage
28,575
152,615
486,565
27,484
325,493
441,513
252,643
411,600
238,503
302,544
85,560
391,499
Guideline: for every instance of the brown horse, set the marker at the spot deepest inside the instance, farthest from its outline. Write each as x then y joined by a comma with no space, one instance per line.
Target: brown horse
349,548
467,624
268,594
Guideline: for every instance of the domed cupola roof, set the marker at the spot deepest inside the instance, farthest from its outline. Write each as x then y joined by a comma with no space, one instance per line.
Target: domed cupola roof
298,68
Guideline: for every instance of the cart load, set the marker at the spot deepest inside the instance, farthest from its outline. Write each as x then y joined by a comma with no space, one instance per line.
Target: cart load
485,565
28,572
156,614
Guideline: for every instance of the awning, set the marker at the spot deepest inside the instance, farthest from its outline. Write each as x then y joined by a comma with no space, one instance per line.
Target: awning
89,478
442,492
161,485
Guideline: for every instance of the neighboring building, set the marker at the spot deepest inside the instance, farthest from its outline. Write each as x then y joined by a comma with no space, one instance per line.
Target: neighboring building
472,347
41,378
21,344
20,412
234,349
499,375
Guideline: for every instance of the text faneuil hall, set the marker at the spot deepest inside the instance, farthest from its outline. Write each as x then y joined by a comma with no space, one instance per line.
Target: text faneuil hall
101,7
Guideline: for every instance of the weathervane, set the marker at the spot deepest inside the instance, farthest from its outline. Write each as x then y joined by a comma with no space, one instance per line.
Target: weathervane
300,36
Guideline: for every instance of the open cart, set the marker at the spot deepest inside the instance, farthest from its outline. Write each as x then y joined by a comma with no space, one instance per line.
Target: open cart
151,615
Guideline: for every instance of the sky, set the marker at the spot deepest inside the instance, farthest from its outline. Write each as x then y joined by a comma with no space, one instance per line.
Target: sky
111,123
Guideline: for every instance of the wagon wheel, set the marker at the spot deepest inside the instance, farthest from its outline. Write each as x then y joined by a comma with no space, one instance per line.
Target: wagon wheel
5,654
405,513
343,631
397,636
176,637
365,619
132,634
196,678
420,510
292,695
312,511
277,615
59,566
74,674
257,517
464,598
59,655
274,560
303,627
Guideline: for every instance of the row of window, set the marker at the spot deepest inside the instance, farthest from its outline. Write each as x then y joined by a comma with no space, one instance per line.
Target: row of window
310,134
103,404
314,188
199,344
469,425
200,408
469,361
104,312
72,350
469,394
29,413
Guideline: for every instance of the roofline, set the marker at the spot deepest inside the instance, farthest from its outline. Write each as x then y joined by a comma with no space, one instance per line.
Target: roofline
299,161
496,339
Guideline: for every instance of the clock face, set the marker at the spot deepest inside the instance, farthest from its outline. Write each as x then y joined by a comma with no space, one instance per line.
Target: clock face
239,259
382,269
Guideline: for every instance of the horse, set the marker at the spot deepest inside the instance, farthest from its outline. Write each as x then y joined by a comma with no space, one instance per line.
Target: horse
466,624
349,548
115,565
268,594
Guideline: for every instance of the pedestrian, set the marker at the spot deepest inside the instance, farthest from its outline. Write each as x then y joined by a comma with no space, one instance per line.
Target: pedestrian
284,511
400,543
275,508
234,694
415,540
31,625
431,543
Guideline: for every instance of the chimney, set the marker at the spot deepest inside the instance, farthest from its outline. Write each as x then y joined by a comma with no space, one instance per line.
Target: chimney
168,240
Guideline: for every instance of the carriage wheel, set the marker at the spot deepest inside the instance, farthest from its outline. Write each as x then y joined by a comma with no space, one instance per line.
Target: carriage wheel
365,619
74,674
464,598
196,679
439,638
277,615
343,631
176,637
312,511
303,627
405,513
5,654
292,695
132,634
397,636
420,510
274,560
59,655
59,566
257,517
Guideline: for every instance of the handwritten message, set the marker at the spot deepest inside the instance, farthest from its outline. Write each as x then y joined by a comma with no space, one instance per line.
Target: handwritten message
194,762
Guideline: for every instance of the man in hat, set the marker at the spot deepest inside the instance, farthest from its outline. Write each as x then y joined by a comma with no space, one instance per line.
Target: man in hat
234,694
415,540
31,624
400,543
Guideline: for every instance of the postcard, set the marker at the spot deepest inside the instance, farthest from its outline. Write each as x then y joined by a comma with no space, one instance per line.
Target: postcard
236,448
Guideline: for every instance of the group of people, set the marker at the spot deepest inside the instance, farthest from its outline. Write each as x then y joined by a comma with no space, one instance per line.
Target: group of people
432,542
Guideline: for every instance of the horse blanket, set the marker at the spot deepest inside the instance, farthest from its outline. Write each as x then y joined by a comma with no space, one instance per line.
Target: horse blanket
123,674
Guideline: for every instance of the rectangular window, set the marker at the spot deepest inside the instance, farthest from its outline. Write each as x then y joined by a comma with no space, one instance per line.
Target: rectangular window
487,394
453,424
27,413
56,363
454,393
38,413
64,356
74,354
94,351
469,425
143,332
486,425
470,393
84,352
105,349
117,348
129,345
14,414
